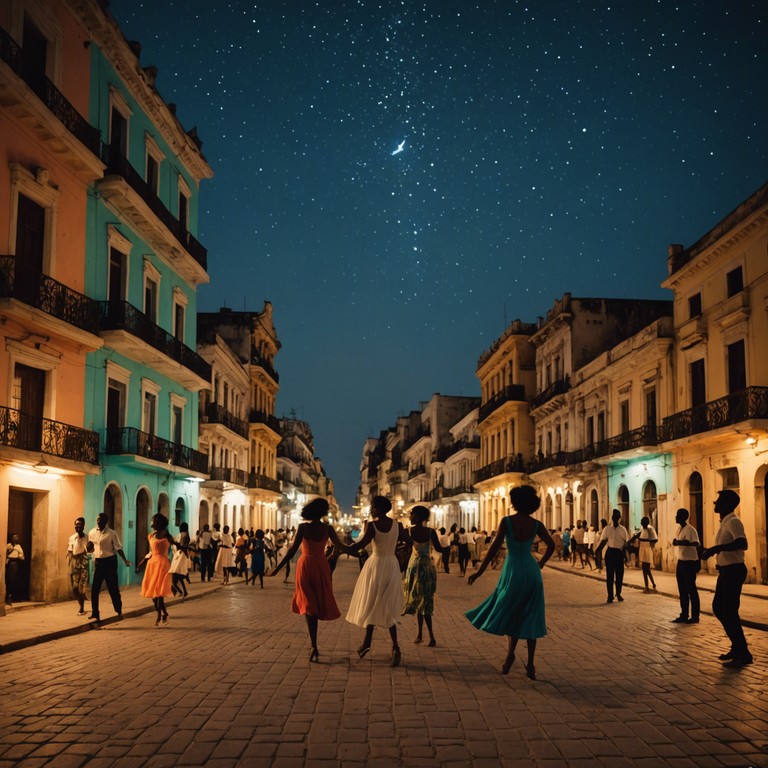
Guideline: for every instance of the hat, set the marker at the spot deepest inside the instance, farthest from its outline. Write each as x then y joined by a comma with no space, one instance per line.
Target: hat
729,497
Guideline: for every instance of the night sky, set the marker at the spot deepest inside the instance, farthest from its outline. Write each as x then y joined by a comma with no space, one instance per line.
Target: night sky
544,147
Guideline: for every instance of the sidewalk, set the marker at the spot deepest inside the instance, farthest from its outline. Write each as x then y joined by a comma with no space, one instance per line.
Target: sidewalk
27,624
754,597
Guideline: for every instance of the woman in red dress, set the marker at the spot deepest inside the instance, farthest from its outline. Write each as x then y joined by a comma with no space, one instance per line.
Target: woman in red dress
157,574
313,593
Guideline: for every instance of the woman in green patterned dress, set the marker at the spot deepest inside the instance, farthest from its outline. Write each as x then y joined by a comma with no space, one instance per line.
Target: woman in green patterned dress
421,575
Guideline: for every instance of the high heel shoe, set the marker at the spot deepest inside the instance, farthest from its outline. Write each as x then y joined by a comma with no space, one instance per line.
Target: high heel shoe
417,640
530,670
362,650
508,662
314,656
396,657
432,643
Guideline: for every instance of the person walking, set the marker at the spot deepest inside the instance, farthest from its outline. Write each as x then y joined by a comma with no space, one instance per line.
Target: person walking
180,563
14,562
205,552
106,546
421,574
687,542
646,538
225,559
730,545
516,606
313,588
77,562
445,542
378,599
463,552
614,537
156,583
258,554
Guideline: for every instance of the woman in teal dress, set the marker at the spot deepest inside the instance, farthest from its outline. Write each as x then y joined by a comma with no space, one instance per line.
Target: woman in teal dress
420,581
516,606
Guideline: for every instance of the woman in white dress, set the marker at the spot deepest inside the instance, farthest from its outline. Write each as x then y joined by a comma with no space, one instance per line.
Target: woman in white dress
378,598
225,559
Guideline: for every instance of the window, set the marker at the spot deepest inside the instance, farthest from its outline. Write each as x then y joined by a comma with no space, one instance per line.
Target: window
30,234
650,409
153,161
694,305
177,418
734,281
601,426
730,478
698,383
151,290
34,52
28,398
737,367
696,504
118,133
184,210
149,413
650,502
116,399
590,430
180,301
623,417
623,505
117,271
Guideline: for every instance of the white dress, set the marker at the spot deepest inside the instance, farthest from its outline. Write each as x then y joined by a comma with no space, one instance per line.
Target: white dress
226,556
378,598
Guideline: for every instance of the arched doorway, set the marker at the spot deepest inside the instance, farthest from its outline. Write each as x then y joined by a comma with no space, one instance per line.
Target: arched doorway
143,507
179,512
623,506
112,506
203,515
696,506
569,507
216,518
164,505
650,503
594,510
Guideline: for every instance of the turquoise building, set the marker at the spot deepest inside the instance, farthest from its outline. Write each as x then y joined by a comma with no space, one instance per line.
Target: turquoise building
143,265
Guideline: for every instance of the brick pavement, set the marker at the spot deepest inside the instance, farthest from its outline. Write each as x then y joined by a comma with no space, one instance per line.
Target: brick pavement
227,683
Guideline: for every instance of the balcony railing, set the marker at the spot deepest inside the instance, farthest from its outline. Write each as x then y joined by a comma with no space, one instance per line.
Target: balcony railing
556,459
416,471
559,387
750,403
129,440
512,392
499,467
423,430
460,445
34,433
257,359
21,282
259,417
122,316
213,413
229,475
256,480
117,165
50,95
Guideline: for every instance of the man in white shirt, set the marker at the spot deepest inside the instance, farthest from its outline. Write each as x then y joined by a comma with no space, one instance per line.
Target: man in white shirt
730,545
687,542
206,568
615,537
77,559
105,545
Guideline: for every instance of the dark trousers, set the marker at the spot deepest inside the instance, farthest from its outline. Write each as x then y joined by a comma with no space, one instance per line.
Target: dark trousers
446,560
686,586
206,567
726,603
105,569
614,570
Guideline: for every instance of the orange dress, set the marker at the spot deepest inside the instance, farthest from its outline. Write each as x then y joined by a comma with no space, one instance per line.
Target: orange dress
313,594
157,574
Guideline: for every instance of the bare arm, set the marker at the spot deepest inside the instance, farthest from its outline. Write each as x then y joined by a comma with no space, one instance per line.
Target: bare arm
491,553
547,539
294,548
366,539
436,545
731,546
337,542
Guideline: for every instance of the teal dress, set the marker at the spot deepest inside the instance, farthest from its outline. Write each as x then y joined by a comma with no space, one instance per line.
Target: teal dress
516,606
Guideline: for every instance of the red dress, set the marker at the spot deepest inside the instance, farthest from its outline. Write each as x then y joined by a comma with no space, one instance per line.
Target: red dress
157,574
313,594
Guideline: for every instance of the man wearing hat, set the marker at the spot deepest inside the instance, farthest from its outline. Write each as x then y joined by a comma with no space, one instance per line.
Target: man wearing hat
730,545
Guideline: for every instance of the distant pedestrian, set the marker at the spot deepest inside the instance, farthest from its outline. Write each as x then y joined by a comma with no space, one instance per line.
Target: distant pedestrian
463,546
598,551
377,599
646,539
687,542
557,537
313,590
180,563
14,563
156,583
421,575
225,559
205,551
730,545
516,607
106,546
614,537
241,553
445,543
77,562
258,551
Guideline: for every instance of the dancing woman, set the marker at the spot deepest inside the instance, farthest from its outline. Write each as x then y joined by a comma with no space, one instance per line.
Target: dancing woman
516,607
156,583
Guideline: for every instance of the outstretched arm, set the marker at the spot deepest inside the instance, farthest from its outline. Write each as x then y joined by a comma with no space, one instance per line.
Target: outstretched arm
364,540
493,550
337,542
294,548
435,541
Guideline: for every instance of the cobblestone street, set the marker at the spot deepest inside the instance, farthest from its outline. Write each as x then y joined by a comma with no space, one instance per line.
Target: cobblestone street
228,683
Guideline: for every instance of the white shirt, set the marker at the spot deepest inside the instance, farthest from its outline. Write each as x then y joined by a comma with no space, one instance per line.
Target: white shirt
77,544
687,533
731,528
648,534
615,537
105,543
14,552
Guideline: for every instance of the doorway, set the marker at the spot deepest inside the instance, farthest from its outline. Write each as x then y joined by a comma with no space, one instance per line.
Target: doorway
20,507
142,525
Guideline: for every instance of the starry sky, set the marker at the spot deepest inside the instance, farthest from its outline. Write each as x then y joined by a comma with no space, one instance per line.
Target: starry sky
545,146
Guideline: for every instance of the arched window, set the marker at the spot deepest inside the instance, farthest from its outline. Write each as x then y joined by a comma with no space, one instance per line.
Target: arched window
203,517
113,507
216,518
569,507
594,509
549,511
650,503
143,507
164,505
623,505
178,517
696,504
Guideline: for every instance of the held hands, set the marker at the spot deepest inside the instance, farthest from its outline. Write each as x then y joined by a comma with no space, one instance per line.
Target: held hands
471,580
707,553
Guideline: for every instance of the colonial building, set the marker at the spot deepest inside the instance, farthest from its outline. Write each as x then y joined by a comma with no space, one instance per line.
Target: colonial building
252,338
49,159
507,380
718,432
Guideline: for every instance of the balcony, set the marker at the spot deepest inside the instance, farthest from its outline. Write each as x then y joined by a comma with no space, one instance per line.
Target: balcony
26,432
260,417
213,413
134,442
130,332
51,117
750,403
499,467
514,392
559,387
423,430
124,187
262,362
416,471
67,312
256,480
557,459
229,475
461,445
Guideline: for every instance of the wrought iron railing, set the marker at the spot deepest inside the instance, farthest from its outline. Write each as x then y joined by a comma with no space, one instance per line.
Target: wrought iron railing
262,362
423,430
556,459
559,387
416,471
213,413
34,433
435,494
118,165
259,417
460,445
749,403
256,480
511,392
499,467
11,53
122,316
129,440
19,281
634,438
229,475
